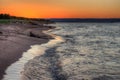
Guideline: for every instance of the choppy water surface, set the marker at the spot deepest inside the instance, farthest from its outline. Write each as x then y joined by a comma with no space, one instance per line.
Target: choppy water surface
15,70
91,50
85,51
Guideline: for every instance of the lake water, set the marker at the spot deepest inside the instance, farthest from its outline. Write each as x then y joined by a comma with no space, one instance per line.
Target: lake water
91,50
80,51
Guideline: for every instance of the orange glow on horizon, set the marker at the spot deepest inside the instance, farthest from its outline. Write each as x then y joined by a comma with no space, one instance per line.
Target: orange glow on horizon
62,10
30,11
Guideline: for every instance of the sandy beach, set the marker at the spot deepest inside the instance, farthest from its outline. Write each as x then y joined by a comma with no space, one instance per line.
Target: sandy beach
16,38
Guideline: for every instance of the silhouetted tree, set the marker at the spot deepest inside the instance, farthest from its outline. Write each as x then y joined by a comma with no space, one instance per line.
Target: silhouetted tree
5,16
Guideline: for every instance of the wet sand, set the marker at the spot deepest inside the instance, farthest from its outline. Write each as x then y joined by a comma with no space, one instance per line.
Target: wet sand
16,39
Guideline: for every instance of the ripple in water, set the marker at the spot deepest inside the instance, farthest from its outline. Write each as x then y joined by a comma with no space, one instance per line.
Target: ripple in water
91,50
14,71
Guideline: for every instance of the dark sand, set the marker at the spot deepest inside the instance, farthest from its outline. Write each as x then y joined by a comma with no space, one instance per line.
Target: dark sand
16,39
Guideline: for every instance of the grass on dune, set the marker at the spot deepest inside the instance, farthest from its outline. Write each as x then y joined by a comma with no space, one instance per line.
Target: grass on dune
4,21
7,21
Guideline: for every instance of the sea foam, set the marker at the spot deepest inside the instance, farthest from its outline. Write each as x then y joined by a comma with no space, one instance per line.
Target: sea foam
14,71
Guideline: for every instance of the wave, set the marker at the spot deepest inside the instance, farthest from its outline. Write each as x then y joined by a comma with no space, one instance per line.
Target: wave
14,71
90,52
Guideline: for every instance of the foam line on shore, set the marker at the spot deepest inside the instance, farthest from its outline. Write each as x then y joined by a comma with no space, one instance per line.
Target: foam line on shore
14,71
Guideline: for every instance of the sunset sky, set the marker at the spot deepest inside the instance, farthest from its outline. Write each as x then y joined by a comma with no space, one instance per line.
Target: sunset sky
62,8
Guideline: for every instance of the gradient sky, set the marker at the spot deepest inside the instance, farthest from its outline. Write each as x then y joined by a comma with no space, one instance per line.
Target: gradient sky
62,8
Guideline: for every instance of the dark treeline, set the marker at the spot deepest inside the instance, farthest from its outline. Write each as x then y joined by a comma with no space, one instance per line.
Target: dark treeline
7,16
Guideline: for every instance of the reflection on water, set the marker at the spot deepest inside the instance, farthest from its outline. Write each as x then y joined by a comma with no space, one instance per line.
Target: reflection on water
91,50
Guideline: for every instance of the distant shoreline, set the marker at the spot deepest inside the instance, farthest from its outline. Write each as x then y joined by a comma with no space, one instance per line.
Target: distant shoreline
87,20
